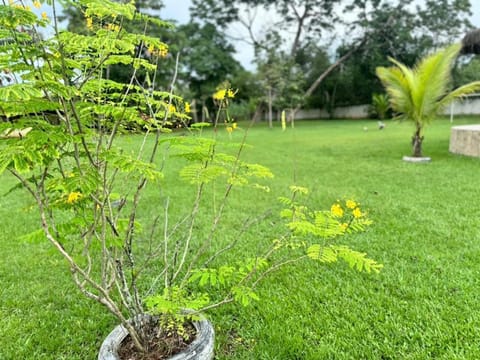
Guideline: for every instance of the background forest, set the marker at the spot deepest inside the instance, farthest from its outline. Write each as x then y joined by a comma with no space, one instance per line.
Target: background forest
307,53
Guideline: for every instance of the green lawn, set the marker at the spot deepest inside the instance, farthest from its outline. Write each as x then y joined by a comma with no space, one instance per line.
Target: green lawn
423,305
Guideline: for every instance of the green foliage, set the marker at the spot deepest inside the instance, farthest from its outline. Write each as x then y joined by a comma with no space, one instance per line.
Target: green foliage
39,147
354,259
380,105
304,227
65,147
207,163
466,72
429,276
170,309
131,165
173,301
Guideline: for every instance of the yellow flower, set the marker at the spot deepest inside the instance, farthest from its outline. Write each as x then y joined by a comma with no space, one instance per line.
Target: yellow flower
44,15
219,94
230,93
229,129
351,204
357,213
162,51
73,197
336,210
171,108
234,126
151,48
37,4
113,27
89,23
344,226
187,107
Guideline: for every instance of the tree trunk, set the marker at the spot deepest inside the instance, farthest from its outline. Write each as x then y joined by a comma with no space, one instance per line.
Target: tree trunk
417,140
270,112
257,113
193,106
332,67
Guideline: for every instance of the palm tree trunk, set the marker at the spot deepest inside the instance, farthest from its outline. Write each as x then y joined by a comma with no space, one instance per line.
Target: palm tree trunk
417,140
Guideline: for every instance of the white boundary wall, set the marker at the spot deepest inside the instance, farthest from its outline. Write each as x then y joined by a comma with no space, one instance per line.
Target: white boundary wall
344,112
468,106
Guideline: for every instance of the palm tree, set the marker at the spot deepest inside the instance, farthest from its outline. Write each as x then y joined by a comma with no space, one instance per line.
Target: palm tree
417,94
381,105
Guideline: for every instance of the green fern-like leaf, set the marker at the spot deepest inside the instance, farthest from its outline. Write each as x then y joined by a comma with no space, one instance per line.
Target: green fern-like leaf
357,260
213,277
331,253
199,173
324,254
298,189
108,9
19,92
327,226
128,164
244,295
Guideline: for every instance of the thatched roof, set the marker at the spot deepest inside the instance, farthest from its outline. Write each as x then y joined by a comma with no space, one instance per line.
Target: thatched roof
471,42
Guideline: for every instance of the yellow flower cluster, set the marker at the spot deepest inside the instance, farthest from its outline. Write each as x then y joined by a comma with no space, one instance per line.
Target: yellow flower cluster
357,213
89,23
73,197
113,27
351,204
187,107
231,128
338,211
162,50
224,93
37,4
18,6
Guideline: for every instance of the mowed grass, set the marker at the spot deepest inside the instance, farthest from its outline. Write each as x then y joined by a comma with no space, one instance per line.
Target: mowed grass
423,305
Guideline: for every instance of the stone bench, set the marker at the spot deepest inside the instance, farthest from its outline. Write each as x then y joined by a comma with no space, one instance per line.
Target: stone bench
465,140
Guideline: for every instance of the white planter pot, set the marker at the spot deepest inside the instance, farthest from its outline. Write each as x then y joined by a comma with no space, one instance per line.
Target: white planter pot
200,349
413,159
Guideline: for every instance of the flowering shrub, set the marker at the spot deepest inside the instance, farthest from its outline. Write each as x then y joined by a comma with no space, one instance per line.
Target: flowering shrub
60,139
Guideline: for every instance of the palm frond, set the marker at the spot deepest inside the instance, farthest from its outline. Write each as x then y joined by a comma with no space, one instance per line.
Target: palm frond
460,92
397,87
417,94
433,75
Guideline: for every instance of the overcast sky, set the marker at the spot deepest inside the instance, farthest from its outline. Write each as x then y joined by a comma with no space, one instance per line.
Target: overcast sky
178,10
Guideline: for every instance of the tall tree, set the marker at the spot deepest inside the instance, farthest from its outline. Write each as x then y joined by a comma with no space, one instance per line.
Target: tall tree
402,30
307,20
206,59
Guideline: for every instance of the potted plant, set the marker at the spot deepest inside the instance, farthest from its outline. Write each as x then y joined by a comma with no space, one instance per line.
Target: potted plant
63,138
418,94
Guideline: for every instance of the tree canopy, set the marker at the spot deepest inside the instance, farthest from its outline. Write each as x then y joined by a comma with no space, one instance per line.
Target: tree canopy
308,53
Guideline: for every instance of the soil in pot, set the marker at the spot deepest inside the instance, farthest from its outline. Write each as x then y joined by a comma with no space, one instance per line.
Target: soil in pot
162,344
